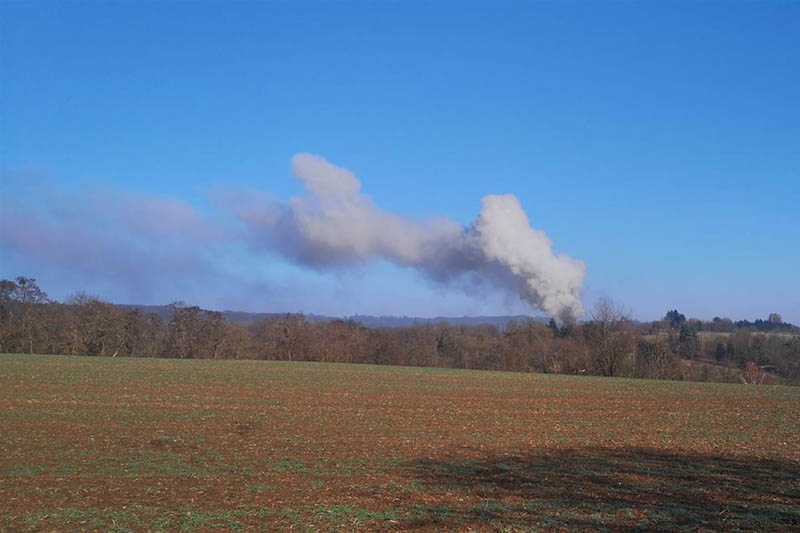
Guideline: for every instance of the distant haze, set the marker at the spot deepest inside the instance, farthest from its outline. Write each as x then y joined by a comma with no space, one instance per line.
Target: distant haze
165,312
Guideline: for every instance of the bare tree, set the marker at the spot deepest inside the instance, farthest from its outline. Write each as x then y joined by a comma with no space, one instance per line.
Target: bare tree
95,325
30,298
530,347
752,375
287,338
611,329
655,360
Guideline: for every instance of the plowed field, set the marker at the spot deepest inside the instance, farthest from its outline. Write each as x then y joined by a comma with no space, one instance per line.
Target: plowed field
153,444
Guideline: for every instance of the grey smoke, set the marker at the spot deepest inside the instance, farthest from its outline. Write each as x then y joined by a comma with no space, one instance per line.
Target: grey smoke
334,223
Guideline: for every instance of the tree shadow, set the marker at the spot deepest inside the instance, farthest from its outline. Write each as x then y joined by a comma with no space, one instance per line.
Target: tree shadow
619,489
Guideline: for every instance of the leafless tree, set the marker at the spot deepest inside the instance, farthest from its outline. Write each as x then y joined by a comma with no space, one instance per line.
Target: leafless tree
612,335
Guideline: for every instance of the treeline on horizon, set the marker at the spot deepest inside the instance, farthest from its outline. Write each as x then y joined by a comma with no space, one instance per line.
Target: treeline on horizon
609,343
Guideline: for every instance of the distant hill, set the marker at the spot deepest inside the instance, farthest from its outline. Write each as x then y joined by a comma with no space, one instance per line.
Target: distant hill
244,318
397,321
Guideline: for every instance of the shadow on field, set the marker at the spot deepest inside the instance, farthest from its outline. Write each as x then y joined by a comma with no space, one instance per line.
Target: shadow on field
604,488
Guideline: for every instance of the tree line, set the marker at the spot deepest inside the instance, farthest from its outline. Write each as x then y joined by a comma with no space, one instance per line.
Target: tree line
609,343
773,324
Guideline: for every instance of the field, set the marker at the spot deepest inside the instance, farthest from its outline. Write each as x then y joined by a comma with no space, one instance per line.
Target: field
152,444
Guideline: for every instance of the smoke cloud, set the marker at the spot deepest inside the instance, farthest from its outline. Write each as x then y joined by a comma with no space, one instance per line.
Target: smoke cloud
162,247
335,224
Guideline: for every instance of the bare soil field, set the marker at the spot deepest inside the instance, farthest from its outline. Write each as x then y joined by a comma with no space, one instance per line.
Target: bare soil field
167,445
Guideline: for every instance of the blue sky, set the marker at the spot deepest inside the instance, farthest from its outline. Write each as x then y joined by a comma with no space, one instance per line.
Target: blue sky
659,143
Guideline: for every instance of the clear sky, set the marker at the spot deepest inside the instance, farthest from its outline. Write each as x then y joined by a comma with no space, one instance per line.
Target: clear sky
659,143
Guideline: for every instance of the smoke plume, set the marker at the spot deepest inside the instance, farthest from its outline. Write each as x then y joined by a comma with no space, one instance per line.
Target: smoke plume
334,223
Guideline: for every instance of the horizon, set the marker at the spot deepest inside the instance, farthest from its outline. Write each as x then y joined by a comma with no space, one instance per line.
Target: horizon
164,152
540,317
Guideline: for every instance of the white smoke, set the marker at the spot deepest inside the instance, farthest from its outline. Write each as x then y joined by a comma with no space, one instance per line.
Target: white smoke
335,224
